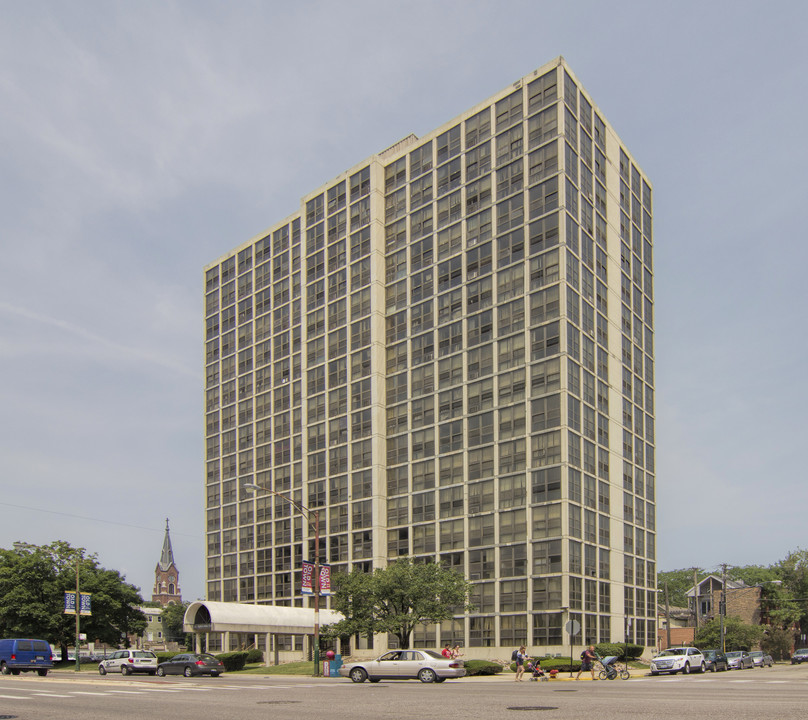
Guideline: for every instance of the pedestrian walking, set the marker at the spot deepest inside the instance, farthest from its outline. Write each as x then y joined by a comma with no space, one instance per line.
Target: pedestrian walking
588,658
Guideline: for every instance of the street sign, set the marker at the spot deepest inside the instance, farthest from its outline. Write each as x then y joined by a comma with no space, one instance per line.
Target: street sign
573,627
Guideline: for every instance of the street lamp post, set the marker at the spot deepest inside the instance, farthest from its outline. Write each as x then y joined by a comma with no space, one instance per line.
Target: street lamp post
313,520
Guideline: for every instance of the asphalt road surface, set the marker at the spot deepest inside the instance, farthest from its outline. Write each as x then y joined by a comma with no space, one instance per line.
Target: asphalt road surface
780,693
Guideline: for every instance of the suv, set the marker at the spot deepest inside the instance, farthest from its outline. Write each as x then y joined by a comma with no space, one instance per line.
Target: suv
799,656
127,662
679,659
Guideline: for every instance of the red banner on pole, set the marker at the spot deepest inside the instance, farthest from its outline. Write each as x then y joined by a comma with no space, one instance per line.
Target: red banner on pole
307,583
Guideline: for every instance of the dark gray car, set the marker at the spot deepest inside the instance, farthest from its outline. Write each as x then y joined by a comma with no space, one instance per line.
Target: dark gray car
190,664
715,660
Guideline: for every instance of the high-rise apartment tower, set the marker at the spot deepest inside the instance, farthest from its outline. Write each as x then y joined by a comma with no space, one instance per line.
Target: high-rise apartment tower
448,350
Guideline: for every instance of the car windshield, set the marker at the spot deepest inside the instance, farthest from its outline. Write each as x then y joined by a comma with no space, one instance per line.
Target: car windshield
734,654
673,651
756,653
435,655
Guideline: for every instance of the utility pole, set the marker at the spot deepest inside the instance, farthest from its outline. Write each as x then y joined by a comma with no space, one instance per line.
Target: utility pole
667,617
696,595
722,606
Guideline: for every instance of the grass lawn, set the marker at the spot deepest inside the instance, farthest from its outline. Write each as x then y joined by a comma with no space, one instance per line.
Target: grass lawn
291,668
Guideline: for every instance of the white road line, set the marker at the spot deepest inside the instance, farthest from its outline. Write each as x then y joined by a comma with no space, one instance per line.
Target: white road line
127,692
16,697
82,692
39,694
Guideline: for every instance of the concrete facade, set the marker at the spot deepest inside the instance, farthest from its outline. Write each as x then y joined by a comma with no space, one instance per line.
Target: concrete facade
448,349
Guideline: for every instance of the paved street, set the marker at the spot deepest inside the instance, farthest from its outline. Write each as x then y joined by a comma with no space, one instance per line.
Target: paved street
780,693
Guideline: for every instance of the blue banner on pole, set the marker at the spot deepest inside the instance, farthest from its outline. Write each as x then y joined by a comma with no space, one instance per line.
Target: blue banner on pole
70,603
84,604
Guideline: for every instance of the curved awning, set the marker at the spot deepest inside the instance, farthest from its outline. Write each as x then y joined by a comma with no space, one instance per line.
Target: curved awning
242,617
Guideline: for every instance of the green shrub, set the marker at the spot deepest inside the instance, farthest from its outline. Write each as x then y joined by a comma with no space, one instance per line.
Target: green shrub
233,660
482,667
620,649
255,656
163,656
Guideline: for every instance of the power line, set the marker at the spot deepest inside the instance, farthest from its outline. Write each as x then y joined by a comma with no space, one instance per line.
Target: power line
92,519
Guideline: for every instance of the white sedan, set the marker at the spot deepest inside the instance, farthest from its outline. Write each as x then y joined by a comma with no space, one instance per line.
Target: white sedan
682,659
425,665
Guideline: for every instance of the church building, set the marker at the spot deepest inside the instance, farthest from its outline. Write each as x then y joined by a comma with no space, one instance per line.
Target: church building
166,576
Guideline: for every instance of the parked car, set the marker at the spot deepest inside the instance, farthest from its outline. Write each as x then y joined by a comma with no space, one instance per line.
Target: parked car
425,665
23,654
127,662
715,660
679,659
740,660
189,664
799,656
761,659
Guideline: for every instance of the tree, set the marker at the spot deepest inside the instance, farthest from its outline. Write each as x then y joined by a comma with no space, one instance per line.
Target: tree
33,580
793,571
397,598
777,642
679,582
173,616
737,634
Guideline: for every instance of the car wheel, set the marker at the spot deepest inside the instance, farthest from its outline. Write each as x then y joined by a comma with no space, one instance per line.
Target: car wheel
187,672
126,670
4,669
161,672
702,667
42,673
151,672
358,675
102,670
686,669
427,676
654,672
214,674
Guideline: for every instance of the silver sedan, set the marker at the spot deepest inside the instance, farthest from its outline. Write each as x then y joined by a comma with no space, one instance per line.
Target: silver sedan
761,659
739,660
425,665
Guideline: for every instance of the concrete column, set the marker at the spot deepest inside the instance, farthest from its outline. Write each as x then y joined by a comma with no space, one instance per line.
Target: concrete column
267,640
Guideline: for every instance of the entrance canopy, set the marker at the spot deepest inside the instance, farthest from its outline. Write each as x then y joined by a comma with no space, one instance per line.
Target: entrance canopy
245,618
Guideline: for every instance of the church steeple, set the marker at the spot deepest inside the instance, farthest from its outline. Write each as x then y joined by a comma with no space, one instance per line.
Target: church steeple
167,558
166,576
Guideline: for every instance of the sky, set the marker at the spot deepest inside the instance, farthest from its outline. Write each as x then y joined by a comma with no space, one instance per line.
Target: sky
141,141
